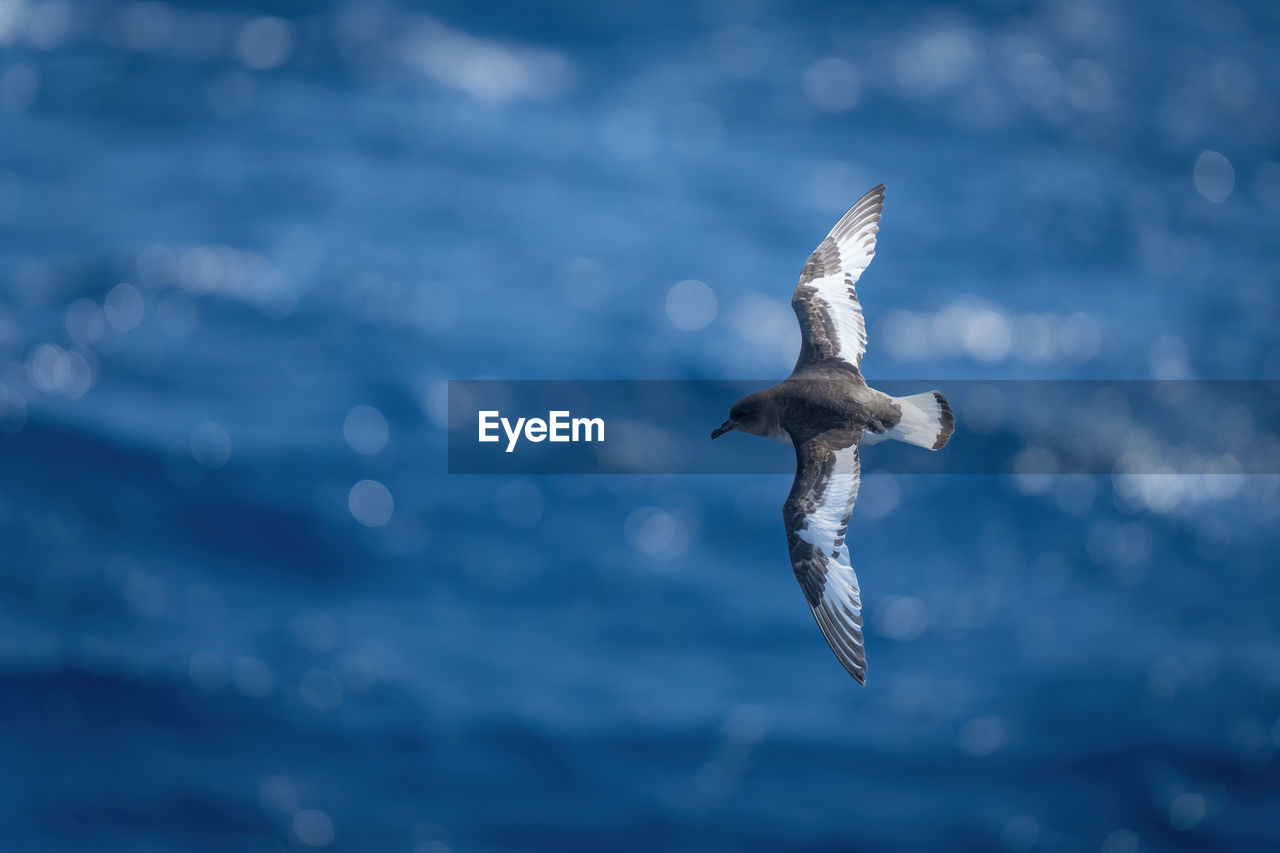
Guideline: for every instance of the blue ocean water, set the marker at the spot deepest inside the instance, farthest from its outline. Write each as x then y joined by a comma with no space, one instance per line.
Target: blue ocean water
244,607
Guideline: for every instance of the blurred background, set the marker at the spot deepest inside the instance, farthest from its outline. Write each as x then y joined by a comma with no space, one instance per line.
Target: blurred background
243,245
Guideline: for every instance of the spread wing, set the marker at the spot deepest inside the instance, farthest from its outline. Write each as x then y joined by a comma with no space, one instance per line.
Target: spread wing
826,301
816,515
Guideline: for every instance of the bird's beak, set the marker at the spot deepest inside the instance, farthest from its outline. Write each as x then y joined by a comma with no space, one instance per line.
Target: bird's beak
722,429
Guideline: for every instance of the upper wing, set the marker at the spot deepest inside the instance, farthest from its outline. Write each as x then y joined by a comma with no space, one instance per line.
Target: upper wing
825,301
816,515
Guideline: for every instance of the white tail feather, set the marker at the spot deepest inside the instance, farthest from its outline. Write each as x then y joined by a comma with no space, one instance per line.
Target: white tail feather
926,422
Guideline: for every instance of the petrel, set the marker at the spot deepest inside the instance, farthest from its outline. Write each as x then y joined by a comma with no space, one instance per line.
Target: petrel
826,410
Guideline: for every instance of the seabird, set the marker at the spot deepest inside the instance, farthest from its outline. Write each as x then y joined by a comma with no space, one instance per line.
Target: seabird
826,410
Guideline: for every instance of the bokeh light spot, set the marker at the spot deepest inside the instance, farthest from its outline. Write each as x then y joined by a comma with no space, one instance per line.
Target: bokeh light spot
370,503
691,305
982,736
832,84
1019,834
264,43
124,307
901,617
1121,841
320,690
210,445
85,321
1187,811
1037,80
365,430
656,533
253,677
1214,176
313,828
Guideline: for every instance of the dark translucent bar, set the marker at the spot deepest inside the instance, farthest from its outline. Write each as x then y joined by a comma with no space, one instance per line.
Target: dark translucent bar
1024,427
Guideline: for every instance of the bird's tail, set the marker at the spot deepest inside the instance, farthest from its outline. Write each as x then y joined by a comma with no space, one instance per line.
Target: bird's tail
926,421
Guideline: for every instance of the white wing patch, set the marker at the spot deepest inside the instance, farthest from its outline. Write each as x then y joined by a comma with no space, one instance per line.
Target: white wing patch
839,299
817,518
826,297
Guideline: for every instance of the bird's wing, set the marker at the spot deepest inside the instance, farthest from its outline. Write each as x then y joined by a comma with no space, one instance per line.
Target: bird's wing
816,515
826,301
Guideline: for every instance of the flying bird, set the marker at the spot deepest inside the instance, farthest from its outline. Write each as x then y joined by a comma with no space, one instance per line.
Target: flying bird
826,410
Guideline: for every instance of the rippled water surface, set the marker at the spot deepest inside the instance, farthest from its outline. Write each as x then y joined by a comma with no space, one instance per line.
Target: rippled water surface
243,246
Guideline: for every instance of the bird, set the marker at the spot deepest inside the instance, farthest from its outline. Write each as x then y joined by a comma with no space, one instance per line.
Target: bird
826,410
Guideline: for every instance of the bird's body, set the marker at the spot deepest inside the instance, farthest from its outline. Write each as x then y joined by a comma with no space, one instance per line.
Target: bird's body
826,410
823,397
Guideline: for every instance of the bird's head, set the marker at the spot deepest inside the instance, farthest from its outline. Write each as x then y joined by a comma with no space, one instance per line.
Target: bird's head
750,414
